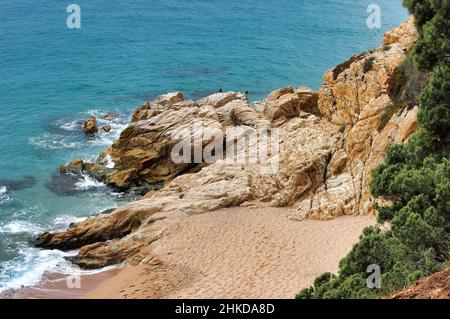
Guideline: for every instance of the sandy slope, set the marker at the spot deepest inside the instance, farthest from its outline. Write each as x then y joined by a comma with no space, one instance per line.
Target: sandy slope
238,253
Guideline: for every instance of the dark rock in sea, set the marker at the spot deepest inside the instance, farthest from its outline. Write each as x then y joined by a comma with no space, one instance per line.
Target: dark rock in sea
63,184
97,171
15,185
106,128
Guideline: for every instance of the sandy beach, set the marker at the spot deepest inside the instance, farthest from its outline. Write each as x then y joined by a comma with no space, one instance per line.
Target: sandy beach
237,253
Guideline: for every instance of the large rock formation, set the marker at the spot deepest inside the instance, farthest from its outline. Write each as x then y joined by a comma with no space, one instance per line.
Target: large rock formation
319,151
358,101
142,154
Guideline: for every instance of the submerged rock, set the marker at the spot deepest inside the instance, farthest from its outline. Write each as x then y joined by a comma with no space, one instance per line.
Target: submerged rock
15,185
63,184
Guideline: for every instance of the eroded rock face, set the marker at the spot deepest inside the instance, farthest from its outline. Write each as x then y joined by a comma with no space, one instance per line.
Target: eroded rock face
404,36
286,103
357,101
329,142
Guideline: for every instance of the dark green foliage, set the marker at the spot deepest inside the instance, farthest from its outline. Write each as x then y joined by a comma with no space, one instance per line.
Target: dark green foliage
415,178
434,115
433,22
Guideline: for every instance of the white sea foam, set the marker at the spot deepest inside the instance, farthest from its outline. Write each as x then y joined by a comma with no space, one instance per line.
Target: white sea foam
3,194
29,268
109,162
18,226
31,264
61,222
22,226
34,264
71,126
53,142
88,182
106,139
62,141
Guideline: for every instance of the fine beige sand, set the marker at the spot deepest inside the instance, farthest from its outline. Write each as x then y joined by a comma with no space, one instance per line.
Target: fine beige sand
237,253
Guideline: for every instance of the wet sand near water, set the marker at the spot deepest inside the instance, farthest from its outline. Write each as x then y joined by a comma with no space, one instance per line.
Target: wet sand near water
55,286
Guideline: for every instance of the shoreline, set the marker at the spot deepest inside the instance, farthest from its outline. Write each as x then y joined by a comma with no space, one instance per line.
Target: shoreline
54,285
238,252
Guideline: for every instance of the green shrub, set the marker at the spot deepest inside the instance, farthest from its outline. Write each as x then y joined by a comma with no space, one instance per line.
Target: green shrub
432,18
368,64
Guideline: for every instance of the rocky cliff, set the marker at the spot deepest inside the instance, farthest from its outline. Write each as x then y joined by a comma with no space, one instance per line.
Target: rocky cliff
329,142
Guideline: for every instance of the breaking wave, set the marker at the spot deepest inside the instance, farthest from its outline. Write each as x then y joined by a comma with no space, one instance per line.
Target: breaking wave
87,182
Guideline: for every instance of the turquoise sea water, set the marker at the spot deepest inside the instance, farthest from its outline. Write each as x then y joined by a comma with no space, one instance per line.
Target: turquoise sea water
128,51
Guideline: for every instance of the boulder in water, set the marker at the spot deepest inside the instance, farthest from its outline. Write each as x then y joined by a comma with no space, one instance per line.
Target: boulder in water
106,128
75,166
90,126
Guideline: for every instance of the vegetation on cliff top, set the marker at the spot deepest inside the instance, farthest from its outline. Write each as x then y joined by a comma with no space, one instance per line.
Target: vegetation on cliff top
414,178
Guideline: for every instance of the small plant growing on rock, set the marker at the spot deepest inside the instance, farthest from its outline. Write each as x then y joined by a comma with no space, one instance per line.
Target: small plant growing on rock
368,65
